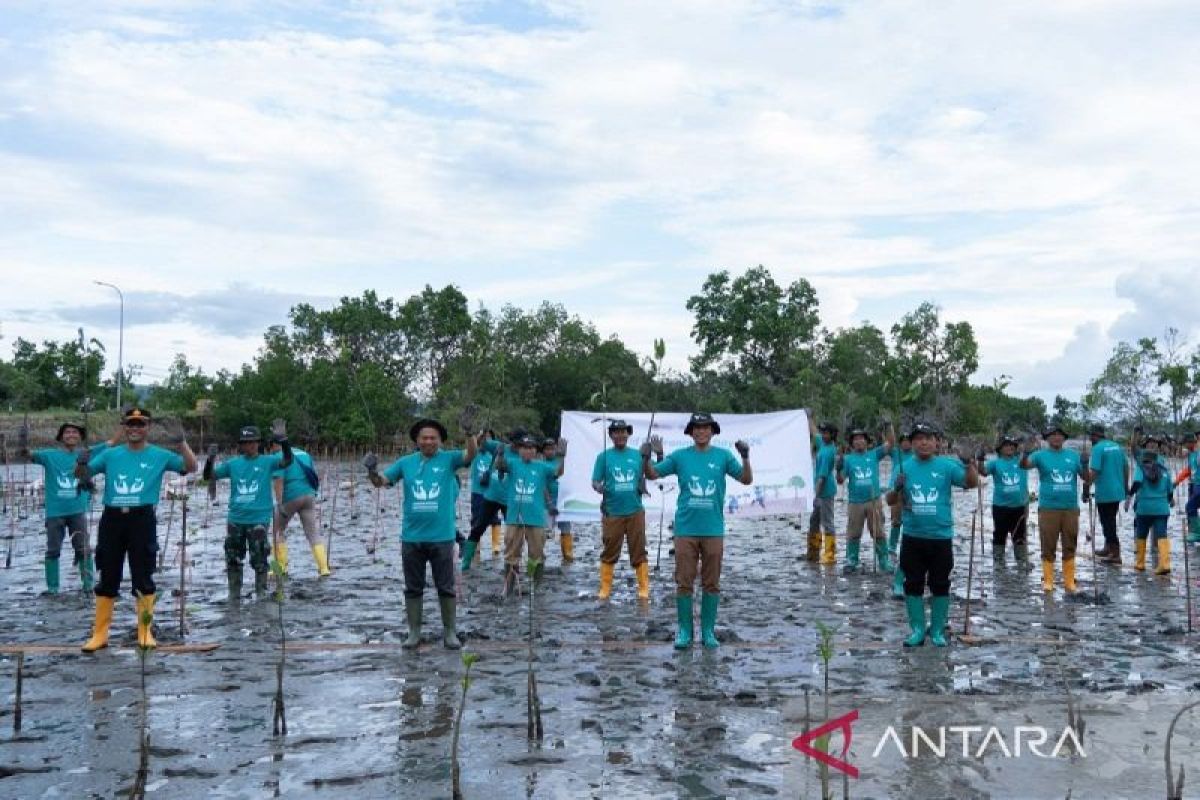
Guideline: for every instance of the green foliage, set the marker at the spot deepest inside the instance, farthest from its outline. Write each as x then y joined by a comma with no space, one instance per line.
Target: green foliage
1153,383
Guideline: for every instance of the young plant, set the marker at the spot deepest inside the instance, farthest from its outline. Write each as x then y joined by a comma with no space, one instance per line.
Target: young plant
1175,786
533,701
146,618
279,719
825,651
468,660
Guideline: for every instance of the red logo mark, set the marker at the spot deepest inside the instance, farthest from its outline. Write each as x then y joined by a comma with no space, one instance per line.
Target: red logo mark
802,743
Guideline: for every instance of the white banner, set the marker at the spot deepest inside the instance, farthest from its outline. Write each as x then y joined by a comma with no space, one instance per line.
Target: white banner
780,452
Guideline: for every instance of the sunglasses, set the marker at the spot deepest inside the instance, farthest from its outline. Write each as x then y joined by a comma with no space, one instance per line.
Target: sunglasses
134,423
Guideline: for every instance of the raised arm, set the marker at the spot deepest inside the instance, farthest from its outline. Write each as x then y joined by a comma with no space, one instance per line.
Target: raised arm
747,476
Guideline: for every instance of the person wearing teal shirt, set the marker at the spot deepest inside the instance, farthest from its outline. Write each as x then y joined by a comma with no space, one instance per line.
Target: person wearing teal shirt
481,478
527,481
495,494
251,507
1059,471
427,535
133,474
860,470
821,538
616,476
1010,499
924,486
295,490
67,503
900,451
1192,471
1108,470
699,518
1155,496
566,538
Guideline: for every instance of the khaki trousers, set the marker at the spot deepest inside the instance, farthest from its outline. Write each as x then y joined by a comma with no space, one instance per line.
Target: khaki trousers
631,530
1054,523
698,554
870,514
515,537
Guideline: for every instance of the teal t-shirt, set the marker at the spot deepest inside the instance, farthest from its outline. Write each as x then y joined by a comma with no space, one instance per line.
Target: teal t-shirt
295,484
1058,470
1108,462
897,455
823,468
928,509
430,494
63,498
527,485
862,474
1193,462
481,466
1010,483
620,471
552,485
1152,498
497,488
134,477
250,500
701,474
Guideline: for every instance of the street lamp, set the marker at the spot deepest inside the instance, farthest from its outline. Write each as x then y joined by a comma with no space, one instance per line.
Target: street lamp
120,341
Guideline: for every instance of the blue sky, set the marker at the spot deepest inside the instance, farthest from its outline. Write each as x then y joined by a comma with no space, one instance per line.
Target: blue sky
1030,167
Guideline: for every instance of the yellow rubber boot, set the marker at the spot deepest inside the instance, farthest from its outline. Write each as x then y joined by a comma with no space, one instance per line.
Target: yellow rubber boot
814,547
606,576
495,540
321,556
1164,557
281,555
1139,557
568,547
642,571
829,551
104,609
1069,575
145,621
1047,576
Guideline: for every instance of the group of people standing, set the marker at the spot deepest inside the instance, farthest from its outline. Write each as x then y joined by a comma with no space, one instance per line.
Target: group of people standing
515,481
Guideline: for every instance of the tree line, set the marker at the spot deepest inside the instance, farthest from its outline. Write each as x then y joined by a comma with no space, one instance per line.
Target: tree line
358,372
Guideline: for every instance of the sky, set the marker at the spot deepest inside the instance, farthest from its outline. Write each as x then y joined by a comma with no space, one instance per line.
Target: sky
1031,167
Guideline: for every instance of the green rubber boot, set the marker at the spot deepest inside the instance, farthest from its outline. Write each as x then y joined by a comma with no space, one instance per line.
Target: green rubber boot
916,620
1193,530
852,548
87,571
51,569
898,582
708,620
882,560
449,634
939,615
412,610
683,611
468,554
894,539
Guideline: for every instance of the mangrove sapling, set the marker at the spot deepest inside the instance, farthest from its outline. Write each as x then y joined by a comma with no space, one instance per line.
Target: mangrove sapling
1075,720
279,719
534,702
145,618
468,660
825,651
1175,787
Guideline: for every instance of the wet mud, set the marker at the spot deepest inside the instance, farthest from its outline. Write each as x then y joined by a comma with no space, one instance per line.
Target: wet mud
624,714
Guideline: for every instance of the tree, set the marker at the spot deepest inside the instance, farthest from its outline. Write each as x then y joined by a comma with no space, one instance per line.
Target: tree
933,360
183,386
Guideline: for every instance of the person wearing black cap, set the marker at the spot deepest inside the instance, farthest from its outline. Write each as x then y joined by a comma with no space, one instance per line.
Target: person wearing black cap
67,502
822,541
495,495
616,475
1059,470
527,482
860,468
1154,490
133,473
924,487
1108,470
566,538
1010,499
699,518
427,532
251,506
1191,471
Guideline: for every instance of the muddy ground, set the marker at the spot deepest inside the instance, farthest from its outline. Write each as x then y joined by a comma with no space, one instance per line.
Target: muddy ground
624,714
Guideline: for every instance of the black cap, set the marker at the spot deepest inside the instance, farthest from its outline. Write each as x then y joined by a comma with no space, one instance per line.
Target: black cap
1154,437
549,441
1189,437
526,441
1007,438
620,425
134,412
1055,427
1096,429
82,430
859,432
425,422
250,433
924,429
700,418
518,433
828,427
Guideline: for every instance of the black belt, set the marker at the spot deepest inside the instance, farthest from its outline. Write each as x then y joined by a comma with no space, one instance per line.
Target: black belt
130,509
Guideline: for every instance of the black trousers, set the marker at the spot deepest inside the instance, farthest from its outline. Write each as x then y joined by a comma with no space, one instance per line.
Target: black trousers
483,520
126,534
926,561
1009,521
439,555
1108,521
